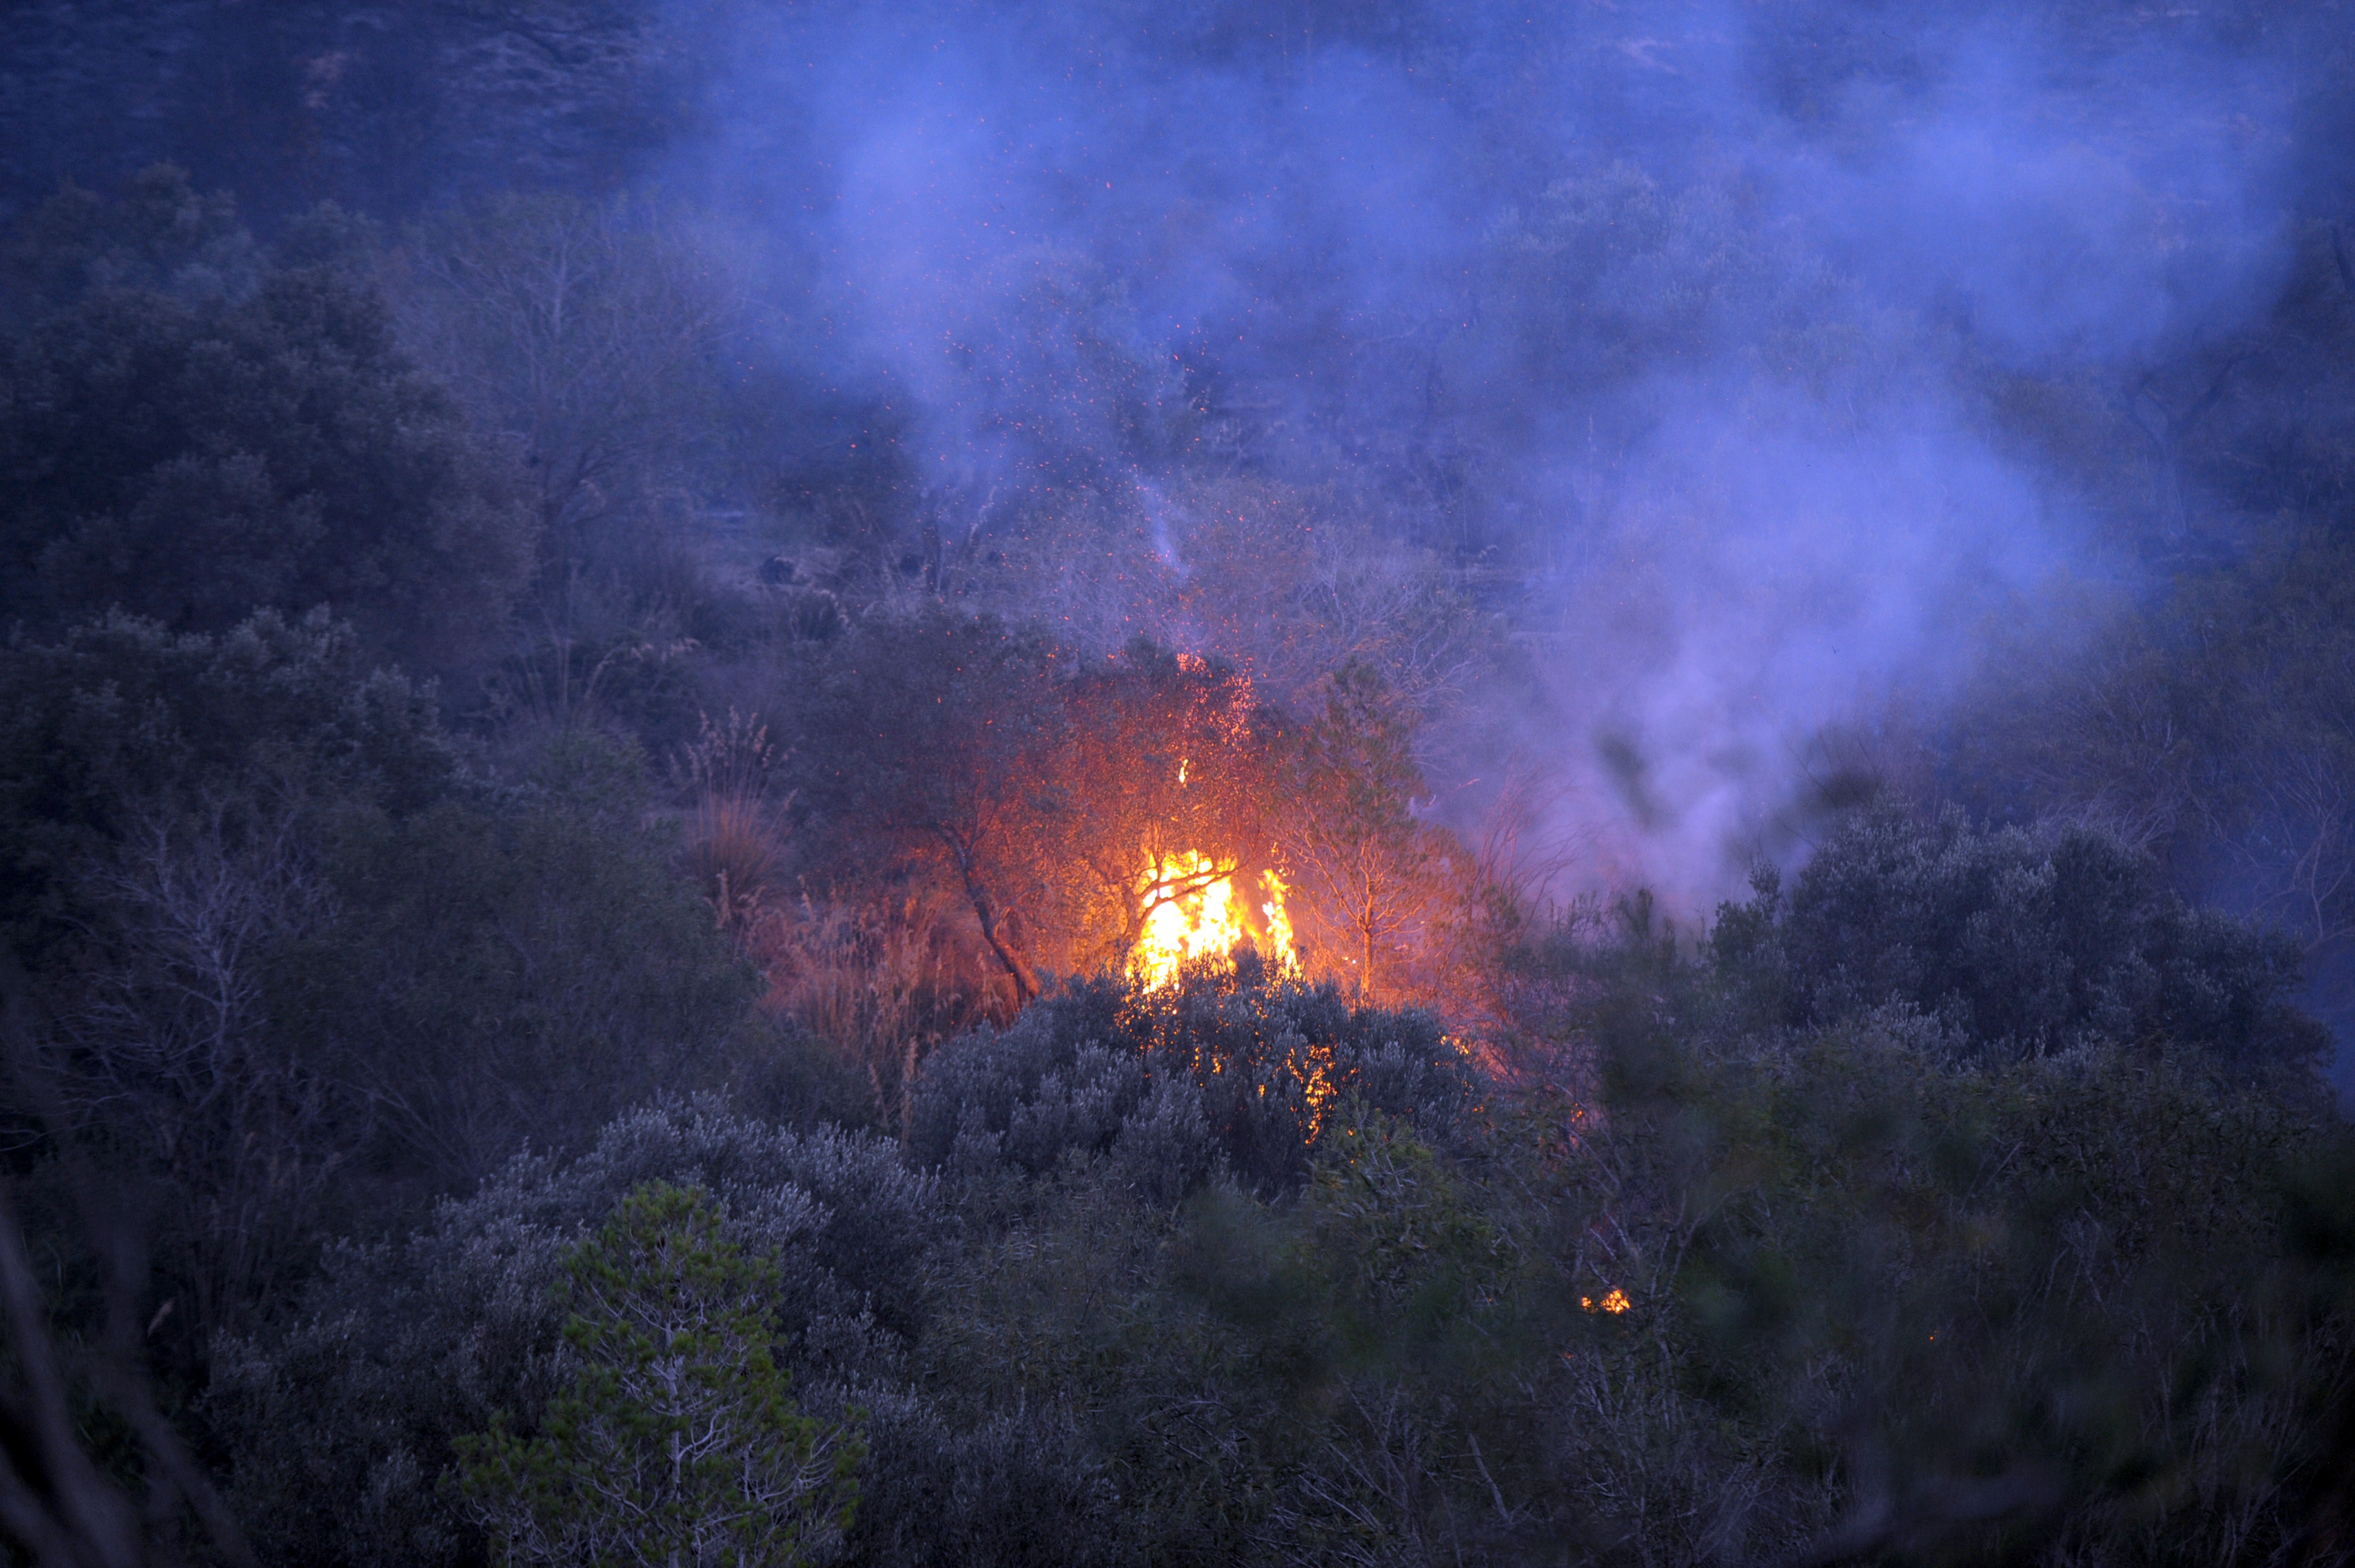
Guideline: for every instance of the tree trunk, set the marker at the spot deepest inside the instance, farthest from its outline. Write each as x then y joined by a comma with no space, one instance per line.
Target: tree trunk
1026,981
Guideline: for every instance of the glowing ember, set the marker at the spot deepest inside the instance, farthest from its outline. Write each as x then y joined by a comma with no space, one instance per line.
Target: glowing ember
1616,1302
1192,912
1318,1087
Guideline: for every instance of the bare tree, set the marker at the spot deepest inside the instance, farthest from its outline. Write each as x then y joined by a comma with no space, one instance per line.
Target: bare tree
165,1043
583,331
2166,424
1376,880
2223,742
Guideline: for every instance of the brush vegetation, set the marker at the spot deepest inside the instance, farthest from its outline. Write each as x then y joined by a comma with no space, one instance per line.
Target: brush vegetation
565,898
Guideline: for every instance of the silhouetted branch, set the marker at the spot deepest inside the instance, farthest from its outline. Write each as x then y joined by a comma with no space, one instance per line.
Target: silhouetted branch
55,1498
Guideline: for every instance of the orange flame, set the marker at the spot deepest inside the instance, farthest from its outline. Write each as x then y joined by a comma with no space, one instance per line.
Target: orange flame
1193,913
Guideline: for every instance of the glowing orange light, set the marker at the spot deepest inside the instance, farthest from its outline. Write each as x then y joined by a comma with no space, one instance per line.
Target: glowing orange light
1193,913
1279,923
1317,1088
1616,1302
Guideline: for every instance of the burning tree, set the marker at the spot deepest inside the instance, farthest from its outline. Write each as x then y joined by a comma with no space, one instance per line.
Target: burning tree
946,741
1173,758
1085,812
1129,814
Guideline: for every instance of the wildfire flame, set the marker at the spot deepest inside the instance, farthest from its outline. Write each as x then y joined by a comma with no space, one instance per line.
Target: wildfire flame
1192,912
1279,923
1195,913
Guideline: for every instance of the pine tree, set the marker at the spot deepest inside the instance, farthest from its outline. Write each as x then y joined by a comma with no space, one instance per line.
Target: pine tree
675,1443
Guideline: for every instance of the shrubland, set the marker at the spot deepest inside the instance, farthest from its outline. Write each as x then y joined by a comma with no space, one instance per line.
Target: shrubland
1243,1270
547,1022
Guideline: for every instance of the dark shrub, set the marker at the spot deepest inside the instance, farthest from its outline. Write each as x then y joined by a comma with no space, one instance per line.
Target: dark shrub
191,439
1232,1070
341,1421
2018,941
122,724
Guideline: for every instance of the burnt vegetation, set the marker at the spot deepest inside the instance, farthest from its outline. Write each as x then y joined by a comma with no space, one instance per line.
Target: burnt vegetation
1633,847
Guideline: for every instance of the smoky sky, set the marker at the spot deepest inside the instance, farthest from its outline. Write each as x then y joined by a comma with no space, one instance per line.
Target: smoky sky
1683,296
1294,194
1672,322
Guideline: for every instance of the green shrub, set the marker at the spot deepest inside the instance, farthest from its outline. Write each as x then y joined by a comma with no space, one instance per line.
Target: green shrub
674,1442
2017,941
340,1420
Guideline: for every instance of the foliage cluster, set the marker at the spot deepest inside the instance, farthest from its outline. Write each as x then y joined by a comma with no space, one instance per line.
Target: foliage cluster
1842,1298
291,962
1235,1075
190,431
344,1420
2008,943
1047,791
674,1442
562,1125
1838,1293
2210,731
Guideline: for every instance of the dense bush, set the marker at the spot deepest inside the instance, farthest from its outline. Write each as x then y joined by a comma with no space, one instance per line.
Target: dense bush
1844,1300
191,436
123,725
675,1441
2216,727
1839,1295
1237,1073
294,965
166,803
502,977
2016,941
340,1421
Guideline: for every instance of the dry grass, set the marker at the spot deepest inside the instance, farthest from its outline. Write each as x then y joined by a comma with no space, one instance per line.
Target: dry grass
735,836
880,982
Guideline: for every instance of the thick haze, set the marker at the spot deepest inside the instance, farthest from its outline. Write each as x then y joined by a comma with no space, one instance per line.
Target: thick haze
1685,325
1721,438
